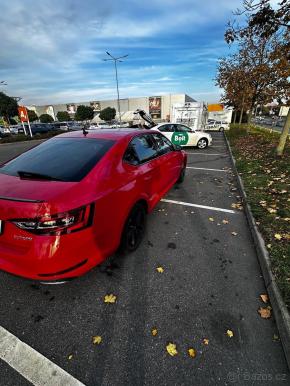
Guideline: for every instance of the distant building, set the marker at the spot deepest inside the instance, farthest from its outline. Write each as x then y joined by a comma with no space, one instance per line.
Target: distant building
159,107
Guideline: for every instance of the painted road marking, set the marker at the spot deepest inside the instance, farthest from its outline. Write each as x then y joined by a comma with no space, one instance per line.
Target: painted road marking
199,206
225,155
214,170
31,364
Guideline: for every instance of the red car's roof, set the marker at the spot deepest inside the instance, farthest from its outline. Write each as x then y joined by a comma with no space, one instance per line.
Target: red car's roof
105,133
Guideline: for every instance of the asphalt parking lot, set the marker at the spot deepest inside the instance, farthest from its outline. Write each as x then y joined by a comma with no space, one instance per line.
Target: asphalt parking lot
211,283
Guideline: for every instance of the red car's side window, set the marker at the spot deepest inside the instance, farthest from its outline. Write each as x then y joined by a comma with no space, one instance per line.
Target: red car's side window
140,150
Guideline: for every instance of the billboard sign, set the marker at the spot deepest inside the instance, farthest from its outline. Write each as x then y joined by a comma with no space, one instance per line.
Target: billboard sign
50,111
155,107
215,107
71,109
22,111
96,106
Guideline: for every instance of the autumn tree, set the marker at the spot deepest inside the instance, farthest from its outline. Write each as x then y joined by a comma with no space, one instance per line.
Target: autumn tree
45,118
8,107
63,116
108,114
263,21
84,113
32,116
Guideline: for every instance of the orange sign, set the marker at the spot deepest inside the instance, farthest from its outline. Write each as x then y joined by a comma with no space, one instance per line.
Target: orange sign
23,114
215,107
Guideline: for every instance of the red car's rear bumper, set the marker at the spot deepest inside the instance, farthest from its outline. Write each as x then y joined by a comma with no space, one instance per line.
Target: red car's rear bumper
48,258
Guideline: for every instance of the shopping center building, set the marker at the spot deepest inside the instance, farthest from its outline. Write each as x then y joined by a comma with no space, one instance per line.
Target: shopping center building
159,107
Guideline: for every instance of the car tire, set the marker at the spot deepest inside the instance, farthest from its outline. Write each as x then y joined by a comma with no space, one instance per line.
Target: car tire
202,143
134,229
221,129
181,176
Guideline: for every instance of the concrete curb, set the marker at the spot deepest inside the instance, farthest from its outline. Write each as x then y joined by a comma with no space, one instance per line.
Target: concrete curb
280,311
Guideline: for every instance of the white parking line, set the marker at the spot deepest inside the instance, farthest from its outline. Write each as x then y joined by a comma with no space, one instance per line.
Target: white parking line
208,153
214,170
31,364
198,206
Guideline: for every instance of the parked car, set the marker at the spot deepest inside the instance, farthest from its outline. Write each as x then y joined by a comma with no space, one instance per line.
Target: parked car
72,201
182,135
214,125
40,128
4,132
75,126
59,126
17,129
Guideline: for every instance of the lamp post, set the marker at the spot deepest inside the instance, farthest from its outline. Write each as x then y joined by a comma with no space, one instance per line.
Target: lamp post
116,72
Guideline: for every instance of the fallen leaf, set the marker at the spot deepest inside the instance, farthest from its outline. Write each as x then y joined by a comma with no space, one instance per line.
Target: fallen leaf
275,337
192,352
234,233
110,298
264,297
271,210
265,313
278,236
230,333
211,219
171,349
269,246
225,222
205,341
97,339
159,269
70,357
154,331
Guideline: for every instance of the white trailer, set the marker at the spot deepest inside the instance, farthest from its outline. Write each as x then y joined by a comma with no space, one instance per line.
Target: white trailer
192,114
224,116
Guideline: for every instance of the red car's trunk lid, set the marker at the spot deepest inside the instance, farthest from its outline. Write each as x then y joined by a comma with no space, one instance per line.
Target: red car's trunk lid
21,198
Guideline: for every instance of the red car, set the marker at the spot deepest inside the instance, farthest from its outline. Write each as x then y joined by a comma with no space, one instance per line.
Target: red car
72,201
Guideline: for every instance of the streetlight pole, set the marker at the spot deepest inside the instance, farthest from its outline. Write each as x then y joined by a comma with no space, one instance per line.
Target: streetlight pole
117,82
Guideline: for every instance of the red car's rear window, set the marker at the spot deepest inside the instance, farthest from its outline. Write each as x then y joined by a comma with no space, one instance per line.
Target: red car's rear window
64,159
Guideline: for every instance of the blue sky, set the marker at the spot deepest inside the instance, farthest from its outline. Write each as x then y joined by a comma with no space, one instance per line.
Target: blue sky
52,50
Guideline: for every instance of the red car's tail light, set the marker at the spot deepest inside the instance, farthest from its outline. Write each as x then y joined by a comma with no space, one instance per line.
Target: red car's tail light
61,223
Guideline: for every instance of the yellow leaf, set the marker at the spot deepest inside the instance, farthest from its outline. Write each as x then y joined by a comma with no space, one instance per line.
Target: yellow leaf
211,219
264,297
269,246
70,357
225,222
159,269
278,236
171,349
154,331
234,233
192,352
97,339
230,333
110,298
205,341
265,312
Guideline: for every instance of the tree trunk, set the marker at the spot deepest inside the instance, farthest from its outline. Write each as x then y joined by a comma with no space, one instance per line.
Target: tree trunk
250,117
235,116
241,116
283,136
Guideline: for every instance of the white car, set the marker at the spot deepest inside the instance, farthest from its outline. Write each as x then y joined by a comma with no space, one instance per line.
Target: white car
217,125
182,135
